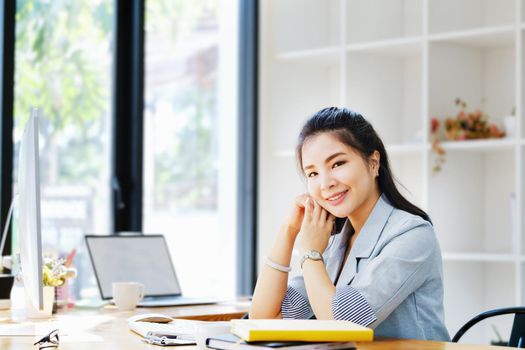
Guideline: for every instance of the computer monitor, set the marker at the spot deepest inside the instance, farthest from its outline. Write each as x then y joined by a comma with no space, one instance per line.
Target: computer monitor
29,230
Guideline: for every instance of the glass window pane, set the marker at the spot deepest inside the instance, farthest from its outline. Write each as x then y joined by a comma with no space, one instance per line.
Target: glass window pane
190,138
63,63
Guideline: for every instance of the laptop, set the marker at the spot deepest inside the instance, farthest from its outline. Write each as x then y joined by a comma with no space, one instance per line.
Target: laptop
138,258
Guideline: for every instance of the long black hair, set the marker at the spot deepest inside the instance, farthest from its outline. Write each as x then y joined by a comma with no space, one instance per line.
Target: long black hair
354,130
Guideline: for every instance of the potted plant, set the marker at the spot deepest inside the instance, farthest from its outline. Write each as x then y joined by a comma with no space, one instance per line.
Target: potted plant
54,274
466,125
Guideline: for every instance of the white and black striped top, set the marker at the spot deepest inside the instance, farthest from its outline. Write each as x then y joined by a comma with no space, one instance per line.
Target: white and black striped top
347,305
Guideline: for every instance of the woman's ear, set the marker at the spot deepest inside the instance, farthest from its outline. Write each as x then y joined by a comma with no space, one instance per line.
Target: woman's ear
374,160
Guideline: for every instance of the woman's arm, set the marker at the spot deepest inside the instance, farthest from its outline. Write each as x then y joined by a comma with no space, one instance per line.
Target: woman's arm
271,283
315,233
320,289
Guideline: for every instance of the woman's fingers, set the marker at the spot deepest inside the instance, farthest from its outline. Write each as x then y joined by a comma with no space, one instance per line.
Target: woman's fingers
308,209
317,211
301,199
323,215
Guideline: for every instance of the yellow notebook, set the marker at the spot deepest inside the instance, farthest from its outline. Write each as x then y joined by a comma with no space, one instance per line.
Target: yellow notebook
300,330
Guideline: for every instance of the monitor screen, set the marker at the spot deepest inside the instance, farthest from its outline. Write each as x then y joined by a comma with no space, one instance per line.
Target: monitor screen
29,235
143,259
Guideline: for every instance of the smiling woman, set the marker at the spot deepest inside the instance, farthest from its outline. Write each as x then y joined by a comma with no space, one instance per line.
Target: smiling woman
383,269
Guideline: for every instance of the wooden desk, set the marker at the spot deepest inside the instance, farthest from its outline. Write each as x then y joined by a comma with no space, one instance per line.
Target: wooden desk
107,329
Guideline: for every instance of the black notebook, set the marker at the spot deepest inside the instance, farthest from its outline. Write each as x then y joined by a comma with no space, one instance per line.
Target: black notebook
229,342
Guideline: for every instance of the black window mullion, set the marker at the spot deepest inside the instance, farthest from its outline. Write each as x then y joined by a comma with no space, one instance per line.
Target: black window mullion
128,115
7,45
248,151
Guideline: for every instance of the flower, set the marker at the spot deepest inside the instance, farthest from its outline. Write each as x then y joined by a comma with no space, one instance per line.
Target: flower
469,125
55,273
434,126
464,126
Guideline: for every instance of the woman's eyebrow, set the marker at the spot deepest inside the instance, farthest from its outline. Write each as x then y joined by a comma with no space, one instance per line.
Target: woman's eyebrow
328,159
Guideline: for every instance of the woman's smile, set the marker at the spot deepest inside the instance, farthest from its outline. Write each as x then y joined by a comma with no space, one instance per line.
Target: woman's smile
337,198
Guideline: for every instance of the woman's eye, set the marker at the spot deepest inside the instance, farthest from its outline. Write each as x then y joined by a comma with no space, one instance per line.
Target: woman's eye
312,174
336,164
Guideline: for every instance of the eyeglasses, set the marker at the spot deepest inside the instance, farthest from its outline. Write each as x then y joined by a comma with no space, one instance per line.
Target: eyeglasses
50,341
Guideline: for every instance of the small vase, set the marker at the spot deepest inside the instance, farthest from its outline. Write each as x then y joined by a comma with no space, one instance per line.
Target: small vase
49,298
510,125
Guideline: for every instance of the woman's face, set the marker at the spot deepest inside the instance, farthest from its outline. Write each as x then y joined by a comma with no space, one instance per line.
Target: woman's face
338,178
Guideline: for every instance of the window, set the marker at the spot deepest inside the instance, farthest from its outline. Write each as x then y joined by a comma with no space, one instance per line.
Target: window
63,65
190,120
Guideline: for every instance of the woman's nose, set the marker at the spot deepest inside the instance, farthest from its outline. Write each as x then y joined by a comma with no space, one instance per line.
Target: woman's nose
327,182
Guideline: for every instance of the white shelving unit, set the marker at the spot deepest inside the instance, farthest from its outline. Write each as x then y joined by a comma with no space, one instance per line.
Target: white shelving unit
399,63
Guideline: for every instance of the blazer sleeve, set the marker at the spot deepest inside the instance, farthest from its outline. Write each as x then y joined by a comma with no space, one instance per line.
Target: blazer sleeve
295,304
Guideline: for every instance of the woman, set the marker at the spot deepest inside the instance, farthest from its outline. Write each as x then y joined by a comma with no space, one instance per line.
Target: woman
383,269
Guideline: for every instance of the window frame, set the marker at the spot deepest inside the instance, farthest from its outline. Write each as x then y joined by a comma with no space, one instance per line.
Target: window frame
248,147
7,16
128,116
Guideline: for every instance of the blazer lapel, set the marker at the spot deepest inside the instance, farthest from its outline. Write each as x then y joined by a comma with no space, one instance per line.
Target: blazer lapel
366,240
337,252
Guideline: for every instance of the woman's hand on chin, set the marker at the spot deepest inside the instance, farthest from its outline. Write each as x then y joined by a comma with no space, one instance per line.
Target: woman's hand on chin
296,216
315,229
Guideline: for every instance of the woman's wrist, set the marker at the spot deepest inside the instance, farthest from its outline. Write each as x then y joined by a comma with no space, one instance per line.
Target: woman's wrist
289,233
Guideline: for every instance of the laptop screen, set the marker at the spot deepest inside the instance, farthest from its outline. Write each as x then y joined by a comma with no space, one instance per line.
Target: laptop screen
143,259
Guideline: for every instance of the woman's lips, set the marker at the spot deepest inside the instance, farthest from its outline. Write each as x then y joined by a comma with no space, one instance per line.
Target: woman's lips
337,198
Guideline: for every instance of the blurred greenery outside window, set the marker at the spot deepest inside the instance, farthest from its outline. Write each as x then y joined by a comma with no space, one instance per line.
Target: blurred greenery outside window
63,57
187,176
63,65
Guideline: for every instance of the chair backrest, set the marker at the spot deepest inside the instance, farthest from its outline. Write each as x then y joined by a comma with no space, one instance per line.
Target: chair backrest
517,336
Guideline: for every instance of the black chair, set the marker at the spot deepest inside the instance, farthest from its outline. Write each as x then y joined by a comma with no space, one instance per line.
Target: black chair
517,335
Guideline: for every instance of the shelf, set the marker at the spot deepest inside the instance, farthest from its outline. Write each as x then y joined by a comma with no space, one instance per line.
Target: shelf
402,149
491,37
480,257
373,20
317,25
402,47
326,55
386,90
491,145
452,15
399,63
484,78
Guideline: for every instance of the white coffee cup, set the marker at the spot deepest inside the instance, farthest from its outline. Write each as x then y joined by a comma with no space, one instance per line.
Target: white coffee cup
207,330
127,294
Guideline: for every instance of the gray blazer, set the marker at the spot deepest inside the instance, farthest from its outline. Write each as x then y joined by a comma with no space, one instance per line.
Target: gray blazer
395,264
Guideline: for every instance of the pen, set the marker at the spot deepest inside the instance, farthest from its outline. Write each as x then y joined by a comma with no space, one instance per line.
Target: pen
152,335
165,340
